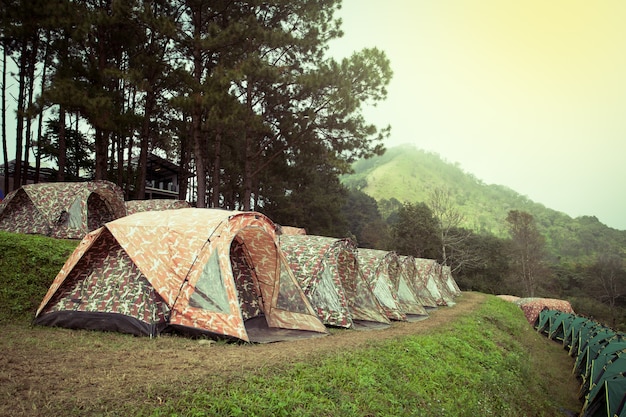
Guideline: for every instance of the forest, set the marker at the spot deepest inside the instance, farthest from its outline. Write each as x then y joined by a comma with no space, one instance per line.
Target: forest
245,96
240,93
495,240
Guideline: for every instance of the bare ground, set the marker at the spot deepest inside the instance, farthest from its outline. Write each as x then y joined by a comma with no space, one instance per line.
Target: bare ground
41,375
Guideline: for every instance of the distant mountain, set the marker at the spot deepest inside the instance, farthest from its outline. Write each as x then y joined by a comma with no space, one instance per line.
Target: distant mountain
409,174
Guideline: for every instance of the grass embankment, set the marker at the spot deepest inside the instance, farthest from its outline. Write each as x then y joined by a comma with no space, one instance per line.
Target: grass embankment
488,362
28,264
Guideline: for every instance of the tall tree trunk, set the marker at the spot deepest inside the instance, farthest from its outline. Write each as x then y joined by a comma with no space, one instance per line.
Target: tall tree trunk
196,113
40,119
102,147
129,169
29,119
198,155
247,173
19,137
216,178
145,143
183,169
5,151
120,160
249,155
62,144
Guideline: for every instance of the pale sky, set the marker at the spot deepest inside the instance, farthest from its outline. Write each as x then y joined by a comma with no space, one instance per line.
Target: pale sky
530,94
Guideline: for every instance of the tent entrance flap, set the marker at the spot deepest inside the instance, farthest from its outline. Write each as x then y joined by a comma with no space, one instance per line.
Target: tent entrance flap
98,212
246,282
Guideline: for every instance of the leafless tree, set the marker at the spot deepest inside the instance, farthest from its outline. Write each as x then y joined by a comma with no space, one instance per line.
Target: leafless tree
454,253
527,247
607,281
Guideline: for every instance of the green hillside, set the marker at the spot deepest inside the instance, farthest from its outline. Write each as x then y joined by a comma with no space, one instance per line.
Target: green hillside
408,174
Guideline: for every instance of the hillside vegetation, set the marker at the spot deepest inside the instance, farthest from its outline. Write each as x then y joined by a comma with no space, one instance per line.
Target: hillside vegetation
479,357
408,174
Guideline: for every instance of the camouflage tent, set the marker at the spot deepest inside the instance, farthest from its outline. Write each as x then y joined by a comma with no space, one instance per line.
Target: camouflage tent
290,230
509,298
383,272
135,206
197,271
429,272
409,269
328,272
66,210
532,306
449,281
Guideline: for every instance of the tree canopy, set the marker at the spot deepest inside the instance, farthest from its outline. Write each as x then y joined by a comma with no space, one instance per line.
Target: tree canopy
239,92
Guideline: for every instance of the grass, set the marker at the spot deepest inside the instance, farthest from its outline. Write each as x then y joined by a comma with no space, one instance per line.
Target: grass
489,362
28,264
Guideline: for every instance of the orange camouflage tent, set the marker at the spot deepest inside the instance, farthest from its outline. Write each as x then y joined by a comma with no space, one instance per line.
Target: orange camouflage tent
202,272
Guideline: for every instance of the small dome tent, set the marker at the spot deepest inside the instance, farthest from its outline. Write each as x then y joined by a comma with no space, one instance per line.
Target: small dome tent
383,271
291,230
328,272
429,272
136,206
196,271
409,269
64,210
449,281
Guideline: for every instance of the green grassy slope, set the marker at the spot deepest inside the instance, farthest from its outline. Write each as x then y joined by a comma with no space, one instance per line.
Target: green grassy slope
409,174
488,361
28,265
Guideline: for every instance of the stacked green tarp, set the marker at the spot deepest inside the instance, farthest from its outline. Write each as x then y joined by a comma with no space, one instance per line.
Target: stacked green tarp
571,334
606,395
600,360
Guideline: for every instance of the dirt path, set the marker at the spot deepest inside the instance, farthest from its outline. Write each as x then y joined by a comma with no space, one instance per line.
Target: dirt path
38,375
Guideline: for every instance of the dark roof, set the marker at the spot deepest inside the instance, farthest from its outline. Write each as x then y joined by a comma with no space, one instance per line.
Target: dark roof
159,168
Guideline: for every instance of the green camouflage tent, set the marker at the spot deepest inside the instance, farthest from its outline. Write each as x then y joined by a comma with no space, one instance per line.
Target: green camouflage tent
66,210
136,206
375,271
196,271
382,270
429,272
328,273
419,287
449,281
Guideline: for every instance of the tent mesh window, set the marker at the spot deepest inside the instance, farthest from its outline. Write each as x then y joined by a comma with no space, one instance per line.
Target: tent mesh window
289,294
210,293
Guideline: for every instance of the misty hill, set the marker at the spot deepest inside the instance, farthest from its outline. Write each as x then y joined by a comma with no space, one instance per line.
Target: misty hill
408,174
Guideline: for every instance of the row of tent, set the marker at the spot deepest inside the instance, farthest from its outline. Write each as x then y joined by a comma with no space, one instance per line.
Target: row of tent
226,274
600,360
